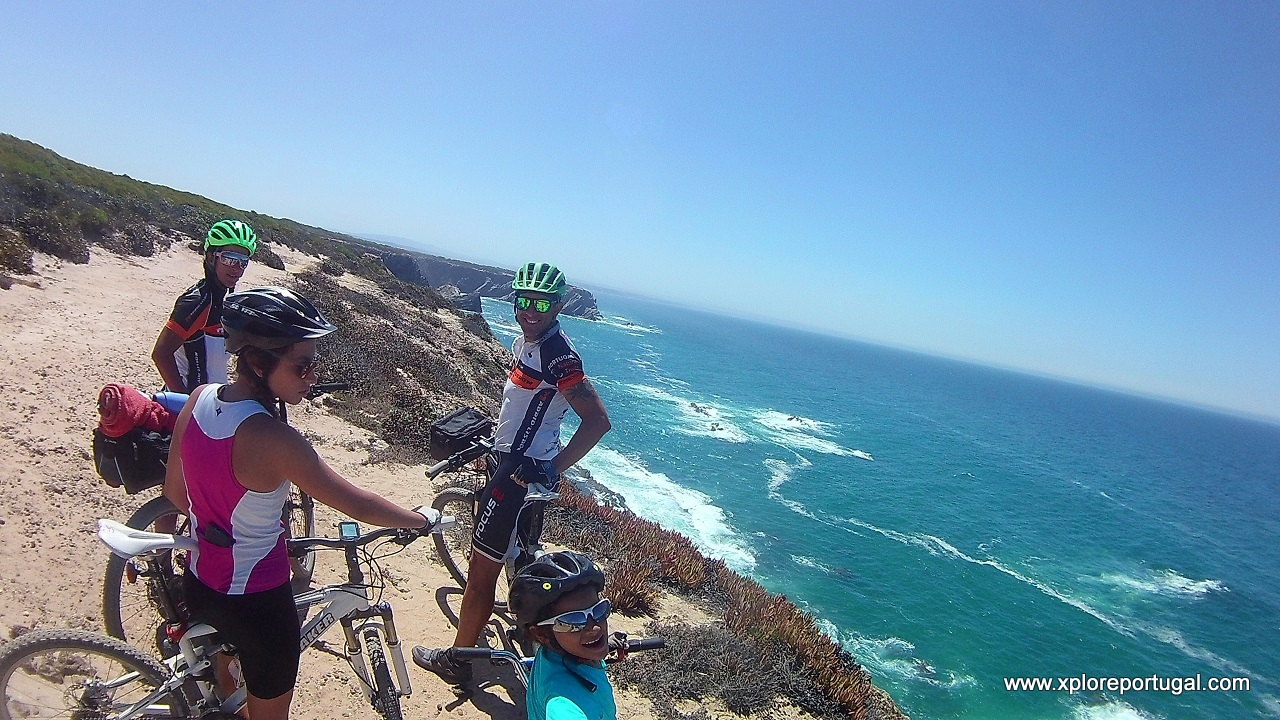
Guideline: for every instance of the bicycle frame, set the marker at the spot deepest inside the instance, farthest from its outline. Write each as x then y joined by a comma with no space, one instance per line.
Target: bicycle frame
346,604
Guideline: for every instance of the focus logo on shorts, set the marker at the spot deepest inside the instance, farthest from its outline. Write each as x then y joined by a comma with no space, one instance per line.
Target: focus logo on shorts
484,517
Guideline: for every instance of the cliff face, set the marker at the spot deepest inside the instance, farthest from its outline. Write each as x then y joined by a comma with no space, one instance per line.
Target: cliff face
475,281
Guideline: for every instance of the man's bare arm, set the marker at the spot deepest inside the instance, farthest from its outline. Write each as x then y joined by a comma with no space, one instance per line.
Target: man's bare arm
590,408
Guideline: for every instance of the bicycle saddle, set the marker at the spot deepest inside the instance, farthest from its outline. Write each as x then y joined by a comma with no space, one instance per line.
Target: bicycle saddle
127,542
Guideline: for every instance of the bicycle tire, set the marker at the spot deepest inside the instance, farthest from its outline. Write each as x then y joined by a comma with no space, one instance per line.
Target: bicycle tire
301,513
454,544
58,673
132,611
385,699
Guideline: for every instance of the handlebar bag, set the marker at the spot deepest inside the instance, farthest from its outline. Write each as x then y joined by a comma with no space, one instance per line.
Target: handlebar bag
135,460
456,432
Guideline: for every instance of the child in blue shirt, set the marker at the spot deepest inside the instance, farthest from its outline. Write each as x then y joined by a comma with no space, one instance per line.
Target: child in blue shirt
556,600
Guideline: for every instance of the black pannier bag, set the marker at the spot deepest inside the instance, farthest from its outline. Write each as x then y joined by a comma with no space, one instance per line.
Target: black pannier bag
135,460
457,431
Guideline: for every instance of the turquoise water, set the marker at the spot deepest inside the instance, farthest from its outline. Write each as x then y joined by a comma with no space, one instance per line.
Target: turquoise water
953,525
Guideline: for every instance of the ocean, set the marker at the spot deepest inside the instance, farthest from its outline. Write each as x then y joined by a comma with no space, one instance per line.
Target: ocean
953,525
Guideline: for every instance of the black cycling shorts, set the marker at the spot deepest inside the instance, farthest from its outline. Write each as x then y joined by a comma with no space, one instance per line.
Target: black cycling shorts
505,523
264,628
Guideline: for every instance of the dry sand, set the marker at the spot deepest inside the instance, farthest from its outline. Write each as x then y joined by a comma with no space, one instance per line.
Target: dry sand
69,330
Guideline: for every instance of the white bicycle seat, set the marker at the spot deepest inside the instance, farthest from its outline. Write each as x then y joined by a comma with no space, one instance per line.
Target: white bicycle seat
127,542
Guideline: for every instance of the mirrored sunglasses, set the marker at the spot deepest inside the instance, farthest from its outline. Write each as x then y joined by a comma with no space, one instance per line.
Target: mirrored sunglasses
232,259
538,304
579,620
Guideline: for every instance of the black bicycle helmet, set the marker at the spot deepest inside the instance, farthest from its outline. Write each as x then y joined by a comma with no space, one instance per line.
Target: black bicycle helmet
269,318
545,580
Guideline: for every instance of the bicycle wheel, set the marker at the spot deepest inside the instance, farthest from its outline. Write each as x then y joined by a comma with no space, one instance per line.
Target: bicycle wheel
386,699
77,675
454,544
301,515
142,594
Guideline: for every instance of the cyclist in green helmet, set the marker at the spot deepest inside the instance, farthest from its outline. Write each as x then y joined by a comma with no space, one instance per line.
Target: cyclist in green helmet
189,350
545,382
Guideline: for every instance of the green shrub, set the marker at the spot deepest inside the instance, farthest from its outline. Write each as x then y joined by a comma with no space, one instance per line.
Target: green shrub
45,232
15,255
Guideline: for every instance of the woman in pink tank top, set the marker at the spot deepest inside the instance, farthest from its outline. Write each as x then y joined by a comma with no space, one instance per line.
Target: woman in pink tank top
230,464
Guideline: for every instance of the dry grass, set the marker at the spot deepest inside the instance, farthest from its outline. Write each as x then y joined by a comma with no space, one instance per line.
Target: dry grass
767,649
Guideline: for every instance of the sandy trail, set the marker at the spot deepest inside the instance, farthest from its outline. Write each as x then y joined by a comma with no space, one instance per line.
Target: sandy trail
71,329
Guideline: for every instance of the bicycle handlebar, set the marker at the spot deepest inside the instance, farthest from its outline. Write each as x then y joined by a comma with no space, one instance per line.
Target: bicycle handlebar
462,457
636,645
321,388
404,536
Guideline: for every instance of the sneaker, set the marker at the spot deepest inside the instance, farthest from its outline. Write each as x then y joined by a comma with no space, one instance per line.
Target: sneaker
442,662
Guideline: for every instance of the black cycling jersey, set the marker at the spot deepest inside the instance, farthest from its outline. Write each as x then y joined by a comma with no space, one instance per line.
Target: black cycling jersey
197,319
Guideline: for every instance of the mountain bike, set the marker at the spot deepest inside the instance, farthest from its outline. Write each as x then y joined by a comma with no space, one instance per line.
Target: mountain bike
79,675
140,596
460,497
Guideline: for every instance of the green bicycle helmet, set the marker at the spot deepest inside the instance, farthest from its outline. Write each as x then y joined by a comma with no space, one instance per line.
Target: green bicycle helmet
231,232
540,277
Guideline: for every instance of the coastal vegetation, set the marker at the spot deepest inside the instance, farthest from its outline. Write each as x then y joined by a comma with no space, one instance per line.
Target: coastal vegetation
412,357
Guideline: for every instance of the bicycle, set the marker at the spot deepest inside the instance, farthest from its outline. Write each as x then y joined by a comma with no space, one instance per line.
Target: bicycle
522,662
79,674
460,499
132,610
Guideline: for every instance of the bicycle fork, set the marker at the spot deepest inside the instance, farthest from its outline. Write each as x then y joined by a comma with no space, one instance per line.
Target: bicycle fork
376,619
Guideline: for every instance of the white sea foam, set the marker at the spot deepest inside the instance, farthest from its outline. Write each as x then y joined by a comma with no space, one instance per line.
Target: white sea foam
861,454
1165,582
938,547
510,329
1174,638
626,324
894,657
1113,710
780,472
655,497
700,418
809,562
783,422
798,433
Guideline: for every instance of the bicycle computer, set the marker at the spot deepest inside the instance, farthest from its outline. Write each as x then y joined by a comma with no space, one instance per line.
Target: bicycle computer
348,530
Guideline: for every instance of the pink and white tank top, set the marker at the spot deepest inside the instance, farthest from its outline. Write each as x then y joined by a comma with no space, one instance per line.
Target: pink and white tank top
239,531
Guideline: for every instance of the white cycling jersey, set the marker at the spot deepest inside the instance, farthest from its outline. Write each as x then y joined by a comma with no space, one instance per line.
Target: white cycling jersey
533,402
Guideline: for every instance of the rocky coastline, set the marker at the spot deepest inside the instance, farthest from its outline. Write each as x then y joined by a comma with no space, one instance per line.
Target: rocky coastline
411,354
464,283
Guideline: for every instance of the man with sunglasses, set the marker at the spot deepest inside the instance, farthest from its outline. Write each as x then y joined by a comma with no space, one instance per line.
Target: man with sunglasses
189,351
546,380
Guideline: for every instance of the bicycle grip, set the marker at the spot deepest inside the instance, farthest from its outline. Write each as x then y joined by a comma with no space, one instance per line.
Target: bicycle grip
649,643
438,468
319,388
473,653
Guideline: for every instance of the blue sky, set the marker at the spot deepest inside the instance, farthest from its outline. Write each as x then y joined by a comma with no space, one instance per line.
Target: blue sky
1085,190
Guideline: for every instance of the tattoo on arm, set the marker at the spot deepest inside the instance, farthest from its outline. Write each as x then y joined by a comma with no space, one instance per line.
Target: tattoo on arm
581,391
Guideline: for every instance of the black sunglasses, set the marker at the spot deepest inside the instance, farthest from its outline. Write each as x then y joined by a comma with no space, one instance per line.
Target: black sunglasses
303,367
